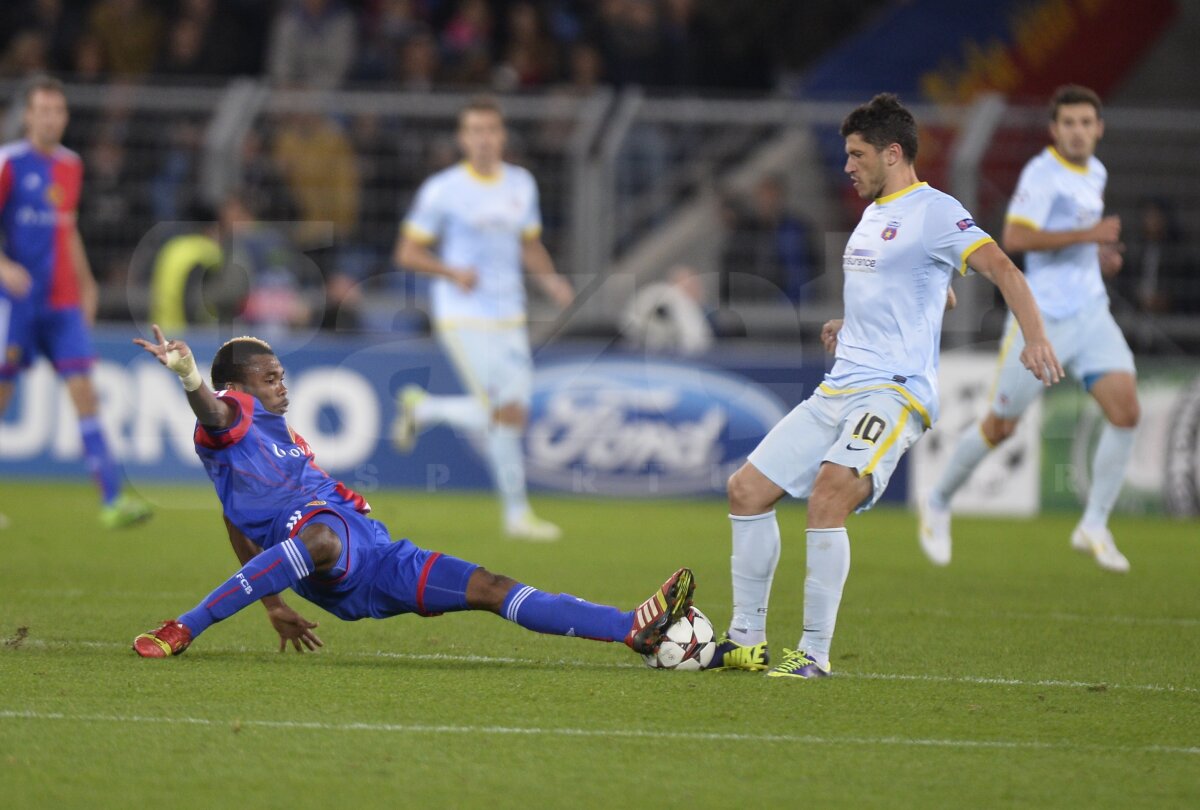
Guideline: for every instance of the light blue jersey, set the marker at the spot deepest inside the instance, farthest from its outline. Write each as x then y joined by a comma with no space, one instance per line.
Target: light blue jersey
898,264
478,222
1054,194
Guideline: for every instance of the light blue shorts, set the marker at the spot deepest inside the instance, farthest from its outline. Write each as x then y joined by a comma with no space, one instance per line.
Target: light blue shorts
1089,344
868,432
494,364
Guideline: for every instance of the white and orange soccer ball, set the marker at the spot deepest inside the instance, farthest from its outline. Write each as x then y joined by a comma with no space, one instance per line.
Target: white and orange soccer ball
689,644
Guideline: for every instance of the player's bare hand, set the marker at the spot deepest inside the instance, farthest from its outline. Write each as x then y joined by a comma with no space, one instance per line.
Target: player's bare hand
951,299
829,333
559,290
466,279
293,627
1111,260
14,278
1038,356
1107,229
161,347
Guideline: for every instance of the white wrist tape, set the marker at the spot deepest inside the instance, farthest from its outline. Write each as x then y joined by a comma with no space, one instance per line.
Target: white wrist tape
185,367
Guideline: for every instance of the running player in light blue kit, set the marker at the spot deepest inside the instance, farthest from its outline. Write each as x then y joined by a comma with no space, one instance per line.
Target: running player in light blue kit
473,227
293,526
839,447
1056,217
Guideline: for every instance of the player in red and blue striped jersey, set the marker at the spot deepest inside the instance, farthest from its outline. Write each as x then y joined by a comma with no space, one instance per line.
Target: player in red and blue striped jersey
293,525
47,292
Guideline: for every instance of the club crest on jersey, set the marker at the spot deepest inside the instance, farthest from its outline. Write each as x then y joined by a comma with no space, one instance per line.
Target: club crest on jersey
55,194
963,224
889,233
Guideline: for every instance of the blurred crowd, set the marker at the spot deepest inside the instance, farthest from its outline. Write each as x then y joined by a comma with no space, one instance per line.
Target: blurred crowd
419,44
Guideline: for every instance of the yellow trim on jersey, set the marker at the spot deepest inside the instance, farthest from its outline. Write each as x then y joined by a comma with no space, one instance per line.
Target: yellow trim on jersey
913,404
419,234
1017,219
531,233
887,444
895,195
484,324
1075,167
1010,337
974,246
487,179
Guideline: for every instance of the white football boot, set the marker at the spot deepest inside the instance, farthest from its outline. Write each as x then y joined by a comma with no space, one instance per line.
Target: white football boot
1099,543
934,532
531,528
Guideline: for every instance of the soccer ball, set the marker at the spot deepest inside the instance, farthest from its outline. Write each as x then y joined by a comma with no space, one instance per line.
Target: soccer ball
689,644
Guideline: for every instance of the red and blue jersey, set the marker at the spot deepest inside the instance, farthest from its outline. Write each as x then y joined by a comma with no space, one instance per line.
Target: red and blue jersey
39,197
264,471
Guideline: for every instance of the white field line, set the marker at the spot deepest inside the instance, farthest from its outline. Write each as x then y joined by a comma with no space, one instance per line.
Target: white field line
938,613
613,733
451,658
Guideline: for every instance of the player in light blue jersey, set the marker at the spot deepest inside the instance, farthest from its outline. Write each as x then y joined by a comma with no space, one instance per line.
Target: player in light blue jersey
294,526
1056,217
839,447
474,227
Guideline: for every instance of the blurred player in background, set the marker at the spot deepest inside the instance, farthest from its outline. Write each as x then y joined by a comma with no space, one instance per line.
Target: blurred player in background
292,526
48,296
473,227
1056,217
839,447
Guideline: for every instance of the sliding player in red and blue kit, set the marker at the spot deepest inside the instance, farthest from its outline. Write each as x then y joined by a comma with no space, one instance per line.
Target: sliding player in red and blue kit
294,526
47,293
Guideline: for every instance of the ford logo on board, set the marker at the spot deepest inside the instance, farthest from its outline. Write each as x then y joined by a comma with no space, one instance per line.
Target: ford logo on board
626,427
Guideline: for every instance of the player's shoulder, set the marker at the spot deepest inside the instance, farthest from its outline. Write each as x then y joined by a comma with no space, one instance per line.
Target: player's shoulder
935,200
1096,167
443,178
13,150
63,154
518,174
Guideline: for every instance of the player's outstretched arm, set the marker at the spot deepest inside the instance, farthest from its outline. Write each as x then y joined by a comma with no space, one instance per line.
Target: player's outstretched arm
1038,356
211,411
537,262
289,624
1020,238
412,254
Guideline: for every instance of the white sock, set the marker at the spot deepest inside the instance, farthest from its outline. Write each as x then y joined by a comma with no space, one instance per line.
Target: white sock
463,412
507,462
970,450
828,567
1108,474
755,556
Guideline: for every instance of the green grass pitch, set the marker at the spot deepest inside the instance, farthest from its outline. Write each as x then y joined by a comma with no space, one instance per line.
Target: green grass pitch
1022,675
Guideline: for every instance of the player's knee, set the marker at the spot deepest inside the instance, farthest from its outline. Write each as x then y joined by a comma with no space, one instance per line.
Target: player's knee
323,544
487,591
512,415
1127,415
995,430
744,499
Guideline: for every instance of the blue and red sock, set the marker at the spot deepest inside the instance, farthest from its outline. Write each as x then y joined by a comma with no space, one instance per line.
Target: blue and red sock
561,614
100,462
270,572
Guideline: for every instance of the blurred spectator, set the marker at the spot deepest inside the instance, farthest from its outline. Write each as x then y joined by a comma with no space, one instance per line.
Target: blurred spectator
87,65
130,34
108,207
343,304
630,40
530,56
59,27
668,316
26,54
262,184
381,174
466,40
1159,273
182,54
311,44
387,26
180,278
419,63
769,251
319,166
173,186
224,45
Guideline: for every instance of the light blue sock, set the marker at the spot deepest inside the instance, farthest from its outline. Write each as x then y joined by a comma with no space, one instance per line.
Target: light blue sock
507,462
462,412
99,461
752,566
270,572
971,449
561,614
828,567
1108,474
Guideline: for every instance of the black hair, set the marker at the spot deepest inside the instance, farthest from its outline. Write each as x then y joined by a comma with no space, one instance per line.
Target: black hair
42,82
230,362
883,121
1074,94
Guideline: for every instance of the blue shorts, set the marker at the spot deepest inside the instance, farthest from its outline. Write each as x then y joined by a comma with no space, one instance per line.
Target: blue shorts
375,577
28,329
